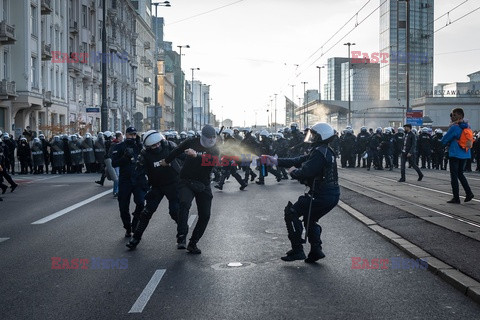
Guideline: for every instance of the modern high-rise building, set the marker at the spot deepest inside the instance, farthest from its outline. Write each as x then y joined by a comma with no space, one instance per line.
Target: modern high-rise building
333,88
364,81
416,53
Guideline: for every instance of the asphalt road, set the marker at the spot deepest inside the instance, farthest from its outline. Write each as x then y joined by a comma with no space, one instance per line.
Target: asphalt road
157,281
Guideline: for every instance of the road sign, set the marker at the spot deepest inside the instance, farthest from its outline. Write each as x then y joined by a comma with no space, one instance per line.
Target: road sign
93,110
415,121
415,114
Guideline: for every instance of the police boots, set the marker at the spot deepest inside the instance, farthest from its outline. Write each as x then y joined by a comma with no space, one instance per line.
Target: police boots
315,253
132,244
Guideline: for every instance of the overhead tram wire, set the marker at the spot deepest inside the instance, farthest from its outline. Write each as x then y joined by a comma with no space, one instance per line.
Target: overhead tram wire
325,43
205,12
302,71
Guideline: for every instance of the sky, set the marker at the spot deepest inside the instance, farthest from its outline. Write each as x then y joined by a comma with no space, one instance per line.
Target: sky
250,50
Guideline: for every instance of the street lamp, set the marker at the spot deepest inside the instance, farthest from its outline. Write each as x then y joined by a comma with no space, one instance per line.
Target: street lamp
320,82
293,103
193,69
305,102
275,112
349,44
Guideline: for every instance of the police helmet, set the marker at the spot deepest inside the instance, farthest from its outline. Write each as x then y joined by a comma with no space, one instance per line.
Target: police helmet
88,135
401,130
388,130
414,131
363,129
228,132
41,136
107,134
280,135
438,131
379,130
152,137
6,136
264,133
36,140
424,130
319,132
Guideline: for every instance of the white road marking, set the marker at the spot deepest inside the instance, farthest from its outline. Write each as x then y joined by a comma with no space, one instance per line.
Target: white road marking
146,294
71,208
418,205
3,239
191,220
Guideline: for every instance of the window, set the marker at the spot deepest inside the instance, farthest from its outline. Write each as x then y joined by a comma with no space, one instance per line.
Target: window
57,89
100,29
5,65
5,10
57,6
84,16
60,44
62,93
34,73
57,40
33,21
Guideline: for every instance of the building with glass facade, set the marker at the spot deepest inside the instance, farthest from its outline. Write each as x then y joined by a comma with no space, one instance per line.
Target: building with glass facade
333,88
419,52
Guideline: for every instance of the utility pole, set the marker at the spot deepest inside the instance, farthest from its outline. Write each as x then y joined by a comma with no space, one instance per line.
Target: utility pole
349,44
275,112
304,104
293,103
104,108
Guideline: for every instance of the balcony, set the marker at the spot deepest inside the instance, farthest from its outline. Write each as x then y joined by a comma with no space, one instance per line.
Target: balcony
7,33
113,43
134,63
46,7
147,80
93,40
147,99
143,60
73,27
149,63
7,90
93,5
74,67
46,51
112,13
47,97
147,45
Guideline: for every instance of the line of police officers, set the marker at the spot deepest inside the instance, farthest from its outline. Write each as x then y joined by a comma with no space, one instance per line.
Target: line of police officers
382,148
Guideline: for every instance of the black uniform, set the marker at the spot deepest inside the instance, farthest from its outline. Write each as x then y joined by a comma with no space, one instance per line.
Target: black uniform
194,183
397,147
425,149
164,183
228,164
438,150
408,153
347,150
124,156
57,156
265,147
46,153
318,170
280,148
24,155
250,146
361,146
10,157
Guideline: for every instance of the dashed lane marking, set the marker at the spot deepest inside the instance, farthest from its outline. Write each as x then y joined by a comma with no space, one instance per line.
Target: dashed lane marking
71,208
146,294
191,220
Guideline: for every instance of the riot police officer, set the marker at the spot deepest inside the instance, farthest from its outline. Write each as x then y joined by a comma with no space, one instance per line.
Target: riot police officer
424,148
438,150
163,180
318,170
88,153
361,146
124,156
398,145
57,155
46,154
228,165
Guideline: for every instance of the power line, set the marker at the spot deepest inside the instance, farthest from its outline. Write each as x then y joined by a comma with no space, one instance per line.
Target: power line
355,15
206,12
467,14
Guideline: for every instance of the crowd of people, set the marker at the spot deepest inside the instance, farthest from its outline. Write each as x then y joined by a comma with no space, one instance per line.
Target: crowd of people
181,167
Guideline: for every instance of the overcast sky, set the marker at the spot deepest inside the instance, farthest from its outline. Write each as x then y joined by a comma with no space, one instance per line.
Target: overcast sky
247,50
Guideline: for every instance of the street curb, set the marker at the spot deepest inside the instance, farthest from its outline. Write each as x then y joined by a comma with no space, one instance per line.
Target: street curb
465,284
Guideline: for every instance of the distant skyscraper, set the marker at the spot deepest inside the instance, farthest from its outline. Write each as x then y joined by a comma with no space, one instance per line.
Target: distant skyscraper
393,40
364,81
333,90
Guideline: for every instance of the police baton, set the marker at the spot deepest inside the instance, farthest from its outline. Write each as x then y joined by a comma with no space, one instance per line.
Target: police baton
307,226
